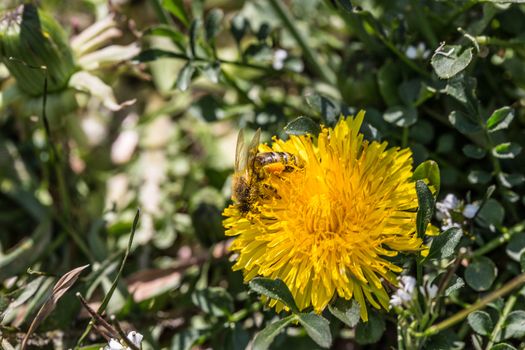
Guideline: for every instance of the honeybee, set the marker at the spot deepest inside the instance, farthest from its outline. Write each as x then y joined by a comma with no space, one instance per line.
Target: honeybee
252,167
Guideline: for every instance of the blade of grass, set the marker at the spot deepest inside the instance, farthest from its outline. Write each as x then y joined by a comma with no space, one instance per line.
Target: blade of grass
108,295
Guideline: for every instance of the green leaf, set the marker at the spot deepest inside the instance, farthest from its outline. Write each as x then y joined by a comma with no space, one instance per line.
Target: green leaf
346,4
213,300
167,31
401,116
317,327
516,246
491,213
479,177
480,274
463,123
212,24
388,82
502,346
239,26
450,60
473,151
506,150
184,78
185,339
500,119
426,207
480,322
194,33
462,88
511,180
348,311
444,245
301,126
264,338
275,289
176,8
155,54
455,284
325,107
514,325
370,332
428,170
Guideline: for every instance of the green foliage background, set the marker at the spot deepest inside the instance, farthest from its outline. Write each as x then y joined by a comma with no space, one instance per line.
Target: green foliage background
445,78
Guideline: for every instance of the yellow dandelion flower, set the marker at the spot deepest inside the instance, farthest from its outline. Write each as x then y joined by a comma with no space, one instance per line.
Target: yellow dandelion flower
329,226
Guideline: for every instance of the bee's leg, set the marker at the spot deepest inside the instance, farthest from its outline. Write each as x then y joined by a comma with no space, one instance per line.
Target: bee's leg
269,192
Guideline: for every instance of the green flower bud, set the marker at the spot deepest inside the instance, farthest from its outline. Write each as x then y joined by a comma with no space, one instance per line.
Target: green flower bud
30,39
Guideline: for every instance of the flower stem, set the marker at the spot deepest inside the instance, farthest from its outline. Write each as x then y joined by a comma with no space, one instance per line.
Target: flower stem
497,329
319,67
496,242
458,317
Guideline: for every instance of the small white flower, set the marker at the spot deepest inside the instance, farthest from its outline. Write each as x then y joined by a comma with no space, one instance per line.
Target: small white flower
404,295
429,290
471,210
411,52
134,337
279,56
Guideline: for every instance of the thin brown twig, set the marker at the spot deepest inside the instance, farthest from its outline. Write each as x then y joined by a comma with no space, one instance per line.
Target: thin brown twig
112,332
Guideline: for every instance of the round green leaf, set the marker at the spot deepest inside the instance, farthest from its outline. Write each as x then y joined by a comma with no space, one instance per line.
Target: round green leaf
516,246
370,332
428,170
449,60
473,151
464,123
479,177
514,325
492,213
480,322
401,116
480,274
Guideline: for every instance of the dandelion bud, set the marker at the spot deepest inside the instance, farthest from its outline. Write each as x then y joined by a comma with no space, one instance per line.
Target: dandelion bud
30,39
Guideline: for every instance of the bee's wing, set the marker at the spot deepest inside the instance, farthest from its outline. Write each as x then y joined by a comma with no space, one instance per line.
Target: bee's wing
253,149
240,153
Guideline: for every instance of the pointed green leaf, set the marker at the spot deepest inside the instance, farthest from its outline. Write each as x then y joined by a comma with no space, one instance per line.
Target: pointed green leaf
176,8
264,338
348,311
317,327
184,78
212,24
500,119
506,150
275,289
301,126
444,245
426,207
